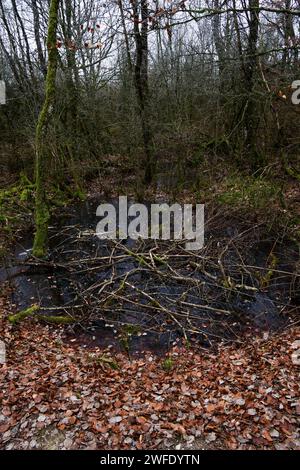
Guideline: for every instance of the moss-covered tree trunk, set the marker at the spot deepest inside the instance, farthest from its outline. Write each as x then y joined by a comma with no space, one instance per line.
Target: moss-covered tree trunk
41,152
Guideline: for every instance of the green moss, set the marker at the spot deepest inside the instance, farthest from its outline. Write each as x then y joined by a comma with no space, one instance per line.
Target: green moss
25,195
159,260
125,341
57,320
57,197
17,317
42,217
266,279
108,361
168,364
131,329
126,334
41,151
248,191
15,198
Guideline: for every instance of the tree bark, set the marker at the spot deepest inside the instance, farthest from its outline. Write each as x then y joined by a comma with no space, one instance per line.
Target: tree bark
142,85
250,68
41,206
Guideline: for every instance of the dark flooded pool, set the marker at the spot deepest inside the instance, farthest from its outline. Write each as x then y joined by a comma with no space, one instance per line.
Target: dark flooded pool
140,295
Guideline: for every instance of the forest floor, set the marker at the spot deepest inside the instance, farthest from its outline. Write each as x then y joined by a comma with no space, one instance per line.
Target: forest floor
56,393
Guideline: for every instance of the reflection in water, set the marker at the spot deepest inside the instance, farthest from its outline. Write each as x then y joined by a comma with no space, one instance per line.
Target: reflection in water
129,319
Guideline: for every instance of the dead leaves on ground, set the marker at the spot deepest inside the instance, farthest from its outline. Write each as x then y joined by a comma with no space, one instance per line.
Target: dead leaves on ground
240,397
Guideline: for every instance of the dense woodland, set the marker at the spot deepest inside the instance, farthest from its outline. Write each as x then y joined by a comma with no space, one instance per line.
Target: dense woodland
151,80
173,101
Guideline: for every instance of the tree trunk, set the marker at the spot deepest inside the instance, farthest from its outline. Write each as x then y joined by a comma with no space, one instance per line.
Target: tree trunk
142,86
41,206
36,24
290,39
250,68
